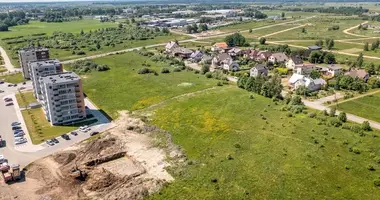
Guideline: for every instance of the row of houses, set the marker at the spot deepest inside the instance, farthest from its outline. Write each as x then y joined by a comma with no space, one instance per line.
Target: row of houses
60,93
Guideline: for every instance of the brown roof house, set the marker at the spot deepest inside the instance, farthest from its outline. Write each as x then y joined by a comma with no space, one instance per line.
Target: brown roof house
262,56
225,61
221,47
293,62
278,58
235,52
360,73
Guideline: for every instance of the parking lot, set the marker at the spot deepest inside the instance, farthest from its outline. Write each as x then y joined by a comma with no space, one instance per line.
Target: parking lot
27,152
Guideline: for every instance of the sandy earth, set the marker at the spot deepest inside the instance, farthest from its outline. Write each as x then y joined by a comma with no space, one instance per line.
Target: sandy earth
123,163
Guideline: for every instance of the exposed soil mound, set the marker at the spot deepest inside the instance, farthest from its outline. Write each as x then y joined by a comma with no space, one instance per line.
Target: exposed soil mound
64,157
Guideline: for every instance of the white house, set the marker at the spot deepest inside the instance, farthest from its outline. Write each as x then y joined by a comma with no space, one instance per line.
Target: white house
225,61
170,46
306,69
334,70
277,58
196,56
293,62
258,70
311,84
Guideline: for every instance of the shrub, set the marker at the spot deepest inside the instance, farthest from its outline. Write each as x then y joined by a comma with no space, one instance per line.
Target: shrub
377,159
366,126
165,71
342,117
208,75
376,182
325,113
332,112
355,150
219,83
370,167
177,69
145,71
289,114
312,115
335,122
81,52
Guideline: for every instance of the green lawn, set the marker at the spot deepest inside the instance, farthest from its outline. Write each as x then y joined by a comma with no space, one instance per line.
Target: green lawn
318,29
367,107
13,78
263,32
254,151
121,88
25,98
40,129
249,25
35,27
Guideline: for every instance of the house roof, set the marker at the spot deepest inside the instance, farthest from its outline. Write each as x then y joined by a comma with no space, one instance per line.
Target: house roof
266,54
357,73
182,50
334,67
297,60
234,50
222,45
295,78
314,47
206,57
223,56
259,67
171,44
195,54
280,56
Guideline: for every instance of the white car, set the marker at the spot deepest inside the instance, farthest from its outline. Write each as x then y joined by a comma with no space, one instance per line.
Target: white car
20,141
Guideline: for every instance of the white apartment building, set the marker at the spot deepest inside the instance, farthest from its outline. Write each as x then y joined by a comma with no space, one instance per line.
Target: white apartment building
42,68
62,98
31,55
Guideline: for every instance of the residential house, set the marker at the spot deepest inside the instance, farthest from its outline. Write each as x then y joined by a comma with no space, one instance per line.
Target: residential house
181,52
306,69
262,56
220,47
360,73
258,70
250,54
206,59
235,52
225,61
277,58
170,46
196,56
294,62
334,70
311,84
298,80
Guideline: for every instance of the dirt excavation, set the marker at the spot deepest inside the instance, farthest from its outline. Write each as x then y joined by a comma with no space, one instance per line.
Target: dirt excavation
127,162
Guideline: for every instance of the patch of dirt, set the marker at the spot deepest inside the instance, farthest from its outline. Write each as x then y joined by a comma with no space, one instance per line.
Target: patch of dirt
353,50
124,163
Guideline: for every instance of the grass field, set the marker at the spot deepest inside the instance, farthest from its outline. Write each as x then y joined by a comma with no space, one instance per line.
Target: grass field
39,128
13,78
121,88
367,107
262,32
318,29
249,25
254,151
35,27
25,99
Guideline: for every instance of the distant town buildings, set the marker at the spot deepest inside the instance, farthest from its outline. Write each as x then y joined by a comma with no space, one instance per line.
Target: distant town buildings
62,98
28,55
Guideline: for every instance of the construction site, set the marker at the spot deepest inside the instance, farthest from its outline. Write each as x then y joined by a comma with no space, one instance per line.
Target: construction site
130,161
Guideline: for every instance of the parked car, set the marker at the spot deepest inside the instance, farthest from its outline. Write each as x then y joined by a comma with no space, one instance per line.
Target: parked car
20,141
55,140
10,85
1,91
16,124
18,131
20,134
65,136
16,127
94,133
14,85
9,104
8,99
24,83
74,133
1,82
22,88
2,159
50,142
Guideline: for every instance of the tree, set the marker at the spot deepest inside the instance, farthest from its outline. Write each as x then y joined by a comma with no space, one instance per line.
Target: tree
319,43
359,60
282,14
120,25
189,29
329,58
315,74
250,30
342,117
371,69
235,39
133,20
366,46
81,32
205,68
374,82
303,30
203,27
330,44
262,40
332,112
366,126
3,27
97,45
315,57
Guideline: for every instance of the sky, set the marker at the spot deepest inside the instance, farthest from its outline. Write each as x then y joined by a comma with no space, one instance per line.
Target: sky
16,1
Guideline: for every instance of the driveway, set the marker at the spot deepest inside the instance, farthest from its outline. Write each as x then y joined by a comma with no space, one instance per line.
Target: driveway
7,62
